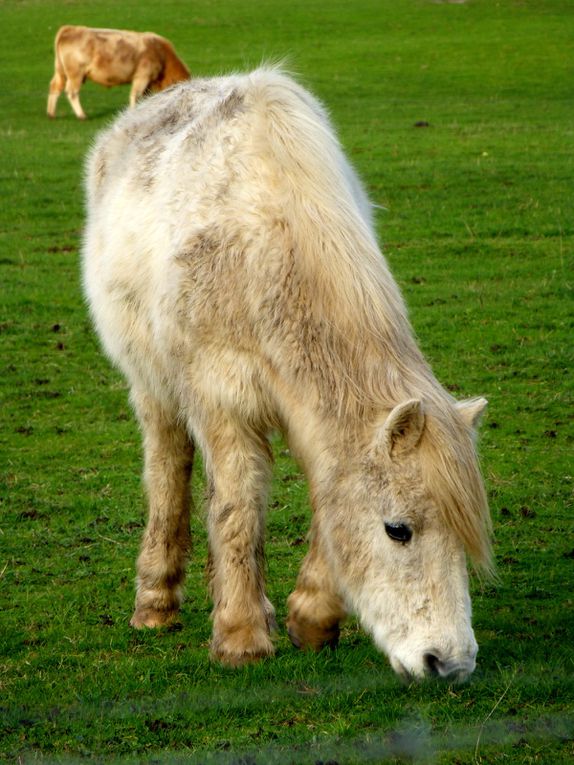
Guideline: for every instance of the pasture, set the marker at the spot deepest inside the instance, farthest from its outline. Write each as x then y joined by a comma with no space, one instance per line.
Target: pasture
459,117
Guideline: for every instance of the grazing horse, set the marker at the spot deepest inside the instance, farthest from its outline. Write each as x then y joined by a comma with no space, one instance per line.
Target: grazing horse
232,272
111,57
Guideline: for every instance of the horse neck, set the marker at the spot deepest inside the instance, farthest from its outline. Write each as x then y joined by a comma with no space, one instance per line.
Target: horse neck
318,441
326,421
330,396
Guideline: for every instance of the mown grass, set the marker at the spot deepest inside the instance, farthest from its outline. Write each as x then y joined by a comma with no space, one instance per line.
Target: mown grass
478,228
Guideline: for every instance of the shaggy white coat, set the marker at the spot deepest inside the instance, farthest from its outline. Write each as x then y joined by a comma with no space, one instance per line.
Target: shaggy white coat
233,274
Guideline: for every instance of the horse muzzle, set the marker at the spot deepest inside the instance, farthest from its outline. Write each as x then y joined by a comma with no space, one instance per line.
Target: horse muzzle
433,663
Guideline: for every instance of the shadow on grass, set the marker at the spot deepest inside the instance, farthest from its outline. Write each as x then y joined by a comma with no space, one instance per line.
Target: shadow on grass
412,741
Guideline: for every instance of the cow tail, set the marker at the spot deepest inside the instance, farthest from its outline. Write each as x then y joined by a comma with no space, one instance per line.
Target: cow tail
58,63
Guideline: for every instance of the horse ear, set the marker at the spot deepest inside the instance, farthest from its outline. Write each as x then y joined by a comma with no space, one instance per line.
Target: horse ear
472,410
403,427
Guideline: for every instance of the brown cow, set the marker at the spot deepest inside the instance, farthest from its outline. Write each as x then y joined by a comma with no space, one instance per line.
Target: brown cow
111,57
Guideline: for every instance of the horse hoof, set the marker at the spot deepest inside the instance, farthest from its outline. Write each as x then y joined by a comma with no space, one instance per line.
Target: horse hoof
306,635
150,617
242,646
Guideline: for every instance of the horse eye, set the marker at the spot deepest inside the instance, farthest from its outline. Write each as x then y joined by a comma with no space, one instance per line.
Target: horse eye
398,532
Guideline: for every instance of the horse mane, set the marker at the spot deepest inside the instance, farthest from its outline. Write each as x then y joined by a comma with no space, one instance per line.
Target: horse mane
452,476
336,250
374,349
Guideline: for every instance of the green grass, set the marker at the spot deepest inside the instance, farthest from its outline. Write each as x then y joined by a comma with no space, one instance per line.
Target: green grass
478,229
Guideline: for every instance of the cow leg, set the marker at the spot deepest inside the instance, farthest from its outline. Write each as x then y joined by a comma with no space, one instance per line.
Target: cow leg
315,608
166,541
57,85
73,86
238,465
140,84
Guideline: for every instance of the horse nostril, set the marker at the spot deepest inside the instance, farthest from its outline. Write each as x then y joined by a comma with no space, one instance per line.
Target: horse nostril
432,664
450,669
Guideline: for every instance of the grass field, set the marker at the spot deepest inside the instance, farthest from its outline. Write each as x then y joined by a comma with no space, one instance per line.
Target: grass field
478,228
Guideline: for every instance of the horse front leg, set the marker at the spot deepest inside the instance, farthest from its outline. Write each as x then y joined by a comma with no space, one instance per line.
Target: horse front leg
315,609
238,465
166,542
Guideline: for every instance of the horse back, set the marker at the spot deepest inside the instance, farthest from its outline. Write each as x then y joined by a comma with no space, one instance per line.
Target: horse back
213,212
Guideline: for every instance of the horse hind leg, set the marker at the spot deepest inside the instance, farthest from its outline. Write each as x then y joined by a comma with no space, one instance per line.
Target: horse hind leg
167,540
243,617
315,609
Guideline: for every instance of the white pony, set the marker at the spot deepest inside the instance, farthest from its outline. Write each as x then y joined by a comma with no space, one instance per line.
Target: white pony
232,272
